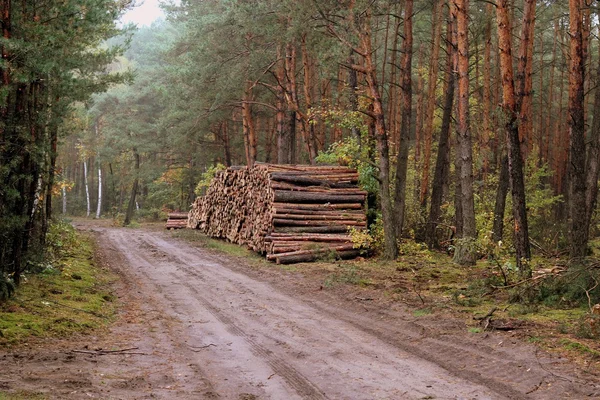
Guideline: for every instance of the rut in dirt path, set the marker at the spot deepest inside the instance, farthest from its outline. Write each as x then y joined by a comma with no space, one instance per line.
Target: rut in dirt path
259,340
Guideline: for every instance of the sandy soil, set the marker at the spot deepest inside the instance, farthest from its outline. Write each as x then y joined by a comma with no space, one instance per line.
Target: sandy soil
201,325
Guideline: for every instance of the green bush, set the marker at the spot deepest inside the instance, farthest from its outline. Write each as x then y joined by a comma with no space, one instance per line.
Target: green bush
7,287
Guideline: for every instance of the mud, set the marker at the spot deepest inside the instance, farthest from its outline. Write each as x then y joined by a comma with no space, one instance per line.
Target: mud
208,326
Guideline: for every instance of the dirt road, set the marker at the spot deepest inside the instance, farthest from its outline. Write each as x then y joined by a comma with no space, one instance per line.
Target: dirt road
205,326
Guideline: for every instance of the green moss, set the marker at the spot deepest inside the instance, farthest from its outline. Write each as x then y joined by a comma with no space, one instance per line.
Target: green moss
73,296
346,274
579,347
197,237
422,312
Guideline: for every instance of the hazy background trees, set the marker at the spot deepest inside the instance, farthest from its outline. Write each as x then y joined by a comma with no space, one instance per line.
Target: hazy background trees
444,106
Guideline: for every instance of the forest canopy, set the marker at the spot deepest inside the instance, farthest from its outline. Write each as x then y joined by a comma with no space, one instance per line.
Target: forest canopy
473,124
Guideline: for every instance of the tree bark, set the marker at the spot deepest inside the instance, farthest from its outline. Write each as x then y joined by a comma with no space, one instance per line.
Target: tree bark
464,252
53,132
285,140
250,139
310,127
406,104
511,105
134,189
64,200
487,76
381,137
500,205
442,164
87,189
578,226
431,100
593,156
524,99
353,85
226,143
99,206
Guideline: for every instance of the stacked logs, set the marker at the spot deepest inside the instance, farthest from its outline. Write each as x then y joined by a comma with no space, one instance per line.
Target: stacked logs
195,214
177,220
293,213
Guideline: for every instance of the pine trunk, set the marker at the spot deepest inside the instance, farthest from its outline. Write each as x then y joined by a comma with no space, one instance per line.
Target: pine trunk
134,189
99,207
406,105
87,189
431,101
465,253
511,104
593,156
578,226
442,164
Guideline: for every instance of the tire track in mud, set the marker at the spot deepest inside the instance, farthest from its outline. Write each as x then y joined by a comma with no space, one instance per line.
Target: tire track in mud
301,385
295,379
473,369
456,352
187,262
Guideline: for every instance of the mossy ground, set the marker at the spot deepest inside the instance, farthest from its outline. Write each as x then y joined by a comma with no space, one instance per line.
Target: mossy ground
70,295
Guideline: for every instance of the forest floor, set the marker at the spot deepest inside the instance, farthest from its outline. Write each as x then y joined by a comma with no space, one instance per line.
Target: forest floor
197,323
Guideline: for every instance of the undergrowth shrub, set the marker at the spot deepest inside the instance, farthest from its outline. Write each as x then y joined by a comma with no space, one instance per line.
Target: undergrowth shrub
207,177
7,287
577,286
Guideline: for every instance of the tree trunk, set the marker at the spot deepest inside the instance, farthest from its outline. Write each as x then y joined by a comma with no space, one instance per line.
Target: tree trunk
250,140
393,90
53,131
487,76
310,127
64,200
381,137
134,189
442,164
431,97
286,141
593,156
465,253
578,227
353,84
293,102
511,105
87,189
99,206
406,104
524,99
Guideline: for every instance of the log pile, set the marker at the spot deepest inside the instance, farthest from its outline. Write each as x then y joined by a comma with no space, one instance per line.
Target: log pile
195,214
292,213
177,220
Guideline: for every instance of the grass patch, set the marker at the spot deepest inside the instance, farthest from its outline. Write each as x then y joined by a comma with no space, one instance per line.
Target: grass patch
70,295
197,237
579,348
346,273
421,312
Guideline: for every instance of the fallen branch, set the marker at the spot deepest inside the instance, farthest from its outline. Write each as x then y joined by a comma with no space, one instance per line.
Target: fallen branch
196,349
488,315
536,387
77,309
418,294
126,351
